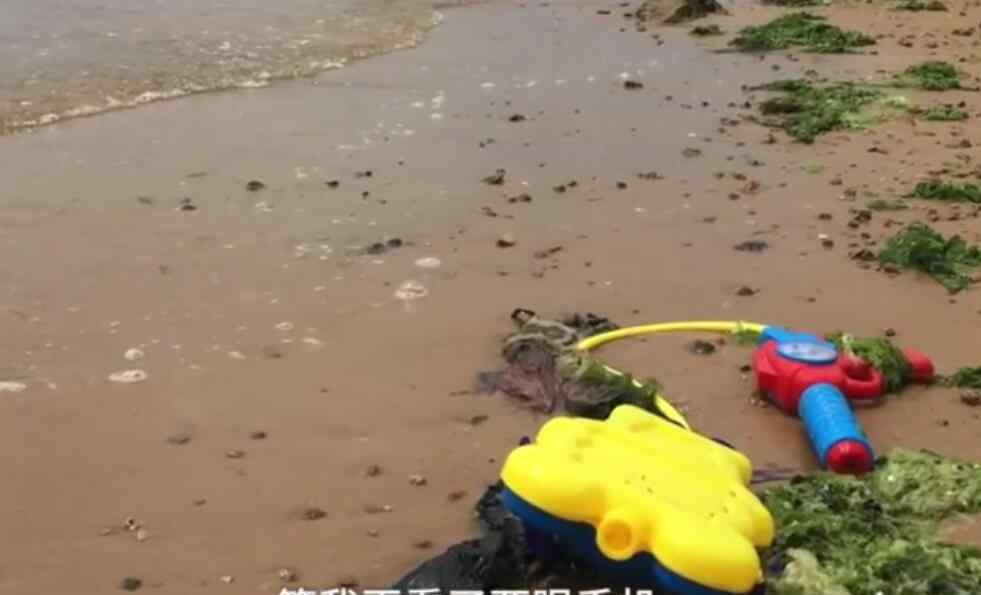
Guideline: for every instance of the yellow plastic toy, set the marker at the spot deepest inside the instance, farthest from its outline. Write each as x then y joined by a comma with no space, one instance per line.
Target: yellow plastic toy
643,498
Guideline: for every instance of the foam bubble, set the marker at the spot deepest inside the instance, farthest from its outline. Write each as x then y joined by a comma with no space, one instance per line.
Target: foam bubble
411,290
128,376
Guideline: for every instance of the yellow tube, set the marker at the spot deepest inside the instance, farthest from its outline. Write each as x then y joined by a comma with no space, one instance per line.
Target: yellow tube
714,326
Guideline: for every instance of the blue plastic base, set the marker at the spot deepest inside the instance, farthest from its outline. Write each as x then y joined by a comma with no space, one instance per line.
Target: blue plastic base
579,539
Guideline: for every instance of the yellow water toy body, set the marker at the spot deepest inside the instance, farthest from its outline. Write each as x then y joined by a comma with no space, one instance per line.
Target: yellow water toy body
642,499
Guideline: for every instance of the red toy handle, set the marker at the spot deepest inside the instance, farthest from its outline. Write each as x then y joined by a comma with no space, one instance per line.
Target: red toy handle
862,381
922,367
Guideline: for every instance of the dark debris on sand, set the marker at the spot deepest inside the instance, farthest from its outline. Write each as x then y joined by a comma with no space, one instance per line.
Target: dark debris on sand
676,11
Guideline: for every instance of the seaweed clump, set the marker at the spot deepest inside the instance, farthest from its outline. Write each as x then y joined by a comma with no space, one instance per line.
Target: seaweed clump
881,204
930,76
940,113
920,6
947,192
800,30
840,535
808,111
796,3
919,247
968,377
880,353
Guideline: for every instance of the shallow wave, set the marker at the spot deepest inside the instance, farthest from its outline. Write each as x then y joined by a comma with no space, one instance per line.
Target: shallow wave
60,65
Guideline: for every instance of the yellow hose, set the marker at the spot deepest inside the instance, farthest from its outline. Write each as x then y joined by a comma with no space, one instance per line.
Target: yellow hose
713,326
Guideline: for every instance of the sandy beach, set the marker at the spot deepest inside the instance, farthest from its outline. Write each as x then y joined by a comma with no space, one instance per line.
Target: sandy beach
281,362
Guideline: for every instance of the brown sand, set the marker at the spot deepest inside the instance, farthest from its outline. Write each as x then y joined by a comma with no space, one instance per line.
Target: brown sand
90,271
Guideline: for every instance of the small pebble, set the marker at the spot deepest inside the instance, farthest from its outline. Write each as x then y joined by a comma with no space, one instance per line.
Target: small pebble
287,575
506,240
179,438
373,471
258,435
130,583
751,246
133,354
496,179
700,347
235,454
254,186
313,514
417,480
227,579
972,398
376,509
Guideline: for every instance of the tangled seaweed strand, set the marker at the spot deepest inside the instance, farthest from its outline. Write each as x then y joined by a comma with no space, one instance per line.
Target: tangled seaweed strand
841,535
968,377
800,30
881,354
919,247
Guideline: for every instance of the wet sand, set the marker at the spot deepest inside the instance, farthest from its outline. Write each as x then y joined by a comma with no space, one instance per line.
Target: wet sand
255,311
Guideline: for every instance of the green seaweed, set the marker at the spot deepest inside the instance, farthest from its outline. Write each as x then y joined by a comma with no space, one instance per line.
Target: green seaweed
946,191
606,388
930,76
803,30
881,354
746,337
920,6
796,3
940,113
881,204
808,111
918,246
967,377
838,534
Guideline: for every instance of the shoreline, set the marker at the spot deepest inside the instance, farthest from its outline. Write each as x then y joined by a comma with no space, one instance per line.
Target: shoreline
262,311
255,80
